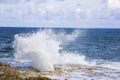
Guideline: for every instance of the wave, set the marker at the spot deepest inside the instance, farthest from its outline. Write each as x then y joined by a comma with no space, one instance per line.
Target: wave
43,49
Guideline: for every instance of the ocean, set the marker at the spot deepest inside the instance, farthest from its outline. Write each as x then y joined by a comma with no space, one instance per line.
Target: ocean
43,47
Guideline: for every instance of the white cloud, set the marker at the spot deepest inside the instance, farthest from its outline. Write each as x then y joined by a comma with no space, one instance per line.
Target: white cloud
70,11
50,9
114,9
77,12
114,4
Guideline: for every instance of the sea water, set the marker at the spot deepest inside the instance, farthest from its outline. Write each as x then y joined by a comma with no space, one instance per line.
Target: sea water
42,48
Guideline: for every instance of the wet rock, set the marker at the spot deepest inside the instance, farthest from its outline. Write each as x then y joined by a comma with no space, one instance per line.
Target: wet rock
9,73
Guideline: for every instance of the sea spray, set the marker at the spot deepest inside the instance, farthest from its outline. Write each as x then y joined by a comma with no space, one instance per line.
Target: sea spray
42,48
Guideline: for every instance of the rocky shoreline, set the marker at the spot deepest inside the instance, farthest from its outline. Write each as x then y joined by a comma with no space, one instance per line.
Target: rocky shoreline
62,72
9,73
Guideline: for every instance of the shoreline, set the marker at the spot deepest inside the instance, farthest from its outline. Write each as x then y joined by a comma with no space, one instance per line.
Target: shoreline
9,73
62,72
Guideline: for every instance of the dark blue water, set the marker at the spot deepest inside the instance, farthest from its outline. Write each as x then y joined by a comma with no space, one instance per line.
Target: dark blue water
98,44
93,43
7,38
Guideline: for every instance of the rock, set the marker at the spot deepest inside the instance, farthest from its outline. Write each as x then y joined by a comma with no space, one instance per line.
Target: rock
9,73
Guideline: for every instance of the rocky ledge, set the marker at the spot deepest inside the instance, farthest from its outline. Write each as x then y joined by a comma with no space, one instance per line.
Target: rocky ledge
9,73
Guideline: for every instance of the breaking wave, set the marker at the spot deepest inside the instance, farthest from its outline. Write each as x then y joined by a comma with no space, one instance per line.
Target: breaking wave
42,48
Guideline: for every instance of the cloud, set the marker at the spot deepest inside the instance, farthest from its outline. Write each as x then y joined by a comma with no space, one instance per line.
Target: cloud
69,11
114,9
114,4
9,1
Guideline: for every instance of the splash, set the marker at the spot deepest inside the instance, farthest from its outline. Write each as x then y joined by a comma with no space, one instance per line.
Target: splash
42,49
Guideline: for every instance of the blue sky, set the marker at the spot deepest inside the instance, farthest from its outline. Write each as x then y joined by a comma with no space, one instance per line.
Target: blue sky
60,13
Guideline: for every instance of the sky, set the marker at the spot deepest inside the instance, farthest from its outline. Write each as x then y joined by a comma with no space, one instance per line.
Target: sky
60,13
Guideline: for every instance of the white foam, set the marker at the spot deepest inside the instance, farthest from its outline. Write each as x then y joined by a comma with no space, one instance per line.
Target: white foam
70,58
42,48
112,65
